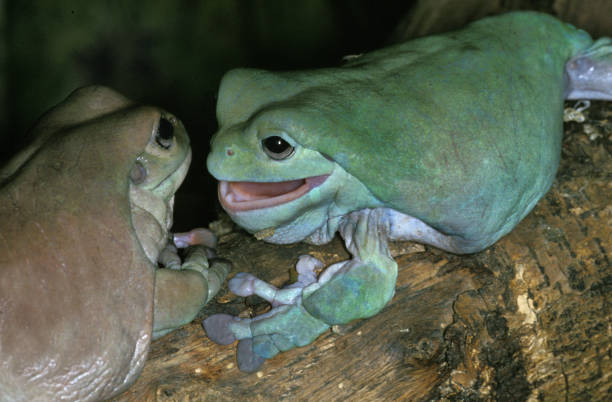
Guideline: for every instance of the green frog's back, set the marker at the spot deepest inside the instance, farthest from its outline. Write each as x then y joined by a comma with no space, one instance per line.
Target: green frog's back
466,126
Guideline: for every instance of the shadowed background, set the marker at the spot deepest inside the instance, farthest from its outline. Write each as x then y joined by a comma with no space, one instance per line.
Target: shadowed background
172,54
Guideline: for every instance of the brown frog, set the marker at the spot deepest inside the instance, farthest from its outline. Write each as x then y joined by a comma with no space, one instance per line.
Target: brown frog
85,212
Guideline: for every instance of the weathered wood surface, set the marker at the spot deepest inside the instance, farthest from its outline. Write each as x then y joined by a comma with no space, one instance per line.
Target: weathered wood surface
428,17
527,319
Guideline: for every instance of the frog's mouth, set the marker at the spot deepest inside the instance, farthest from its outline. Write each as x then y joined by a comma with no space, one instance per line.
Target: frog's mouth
238,196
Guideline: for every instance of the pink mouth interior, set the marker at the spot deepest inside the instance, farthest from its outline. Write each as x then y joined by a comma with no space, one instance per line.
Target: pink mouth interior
245,196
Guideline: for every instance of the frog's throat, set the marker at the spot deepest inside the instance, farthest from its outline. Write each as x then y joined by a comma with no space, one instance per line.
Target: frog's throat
152,211
236,196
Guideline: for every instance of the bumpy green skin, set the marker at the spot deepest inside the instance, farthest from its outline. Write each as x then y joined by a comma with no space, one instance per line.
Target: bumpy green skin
461,131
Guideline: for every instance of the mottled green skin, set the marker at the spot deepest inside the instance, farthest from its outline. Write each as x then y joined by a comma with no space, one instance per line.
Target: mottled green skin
461,130
449,140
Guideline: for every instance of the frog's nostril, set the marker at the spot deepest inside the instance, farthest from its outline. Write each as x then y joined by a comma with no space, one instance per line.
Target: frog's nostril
165,133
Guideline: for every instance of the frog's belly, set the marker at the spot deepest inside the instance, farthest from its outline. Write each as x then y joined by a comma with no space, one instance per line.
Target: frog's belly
405,227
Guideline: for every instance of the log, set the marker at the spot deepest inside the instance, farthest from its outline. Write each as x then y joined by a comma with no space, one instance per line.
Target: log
526,319
428,17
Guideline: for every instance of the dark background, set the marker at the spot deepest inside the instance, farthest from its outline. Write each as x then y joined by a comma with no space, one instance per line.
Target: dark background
172,54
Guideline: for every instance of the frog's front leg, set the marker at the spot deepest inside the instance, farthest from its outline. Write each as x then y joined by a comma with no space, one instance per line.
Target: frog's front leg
589,73
245,284
346,291
182,289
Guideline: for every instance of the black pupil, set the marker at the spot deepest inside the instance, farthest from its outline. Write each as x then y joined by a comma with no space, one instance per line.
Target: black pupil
276,144
166,129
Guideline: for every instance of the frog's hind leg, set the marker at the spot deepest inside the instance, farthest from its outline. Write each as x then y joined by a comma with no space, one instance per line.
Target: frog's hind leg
589,74
406,227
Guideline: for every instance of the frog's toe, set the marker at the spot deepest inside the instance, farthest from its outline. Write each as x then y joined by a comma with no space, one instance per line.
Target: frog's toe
306,268
169,258
243,284
217,328
253,352
198,236
248,360
196,259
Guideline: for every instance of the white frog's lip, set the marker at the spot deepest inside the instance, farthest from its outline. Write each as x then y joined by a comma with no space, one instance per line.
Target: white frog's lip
238,196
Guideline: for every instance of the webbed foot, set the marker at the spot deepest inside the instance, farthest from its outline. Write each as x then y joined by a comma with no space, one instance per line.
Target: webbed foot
217,328
263,337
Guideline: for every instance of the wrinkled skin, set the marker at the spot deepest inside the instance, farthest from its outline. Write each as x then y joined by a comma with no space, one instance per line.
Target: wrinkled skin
84,216
448,140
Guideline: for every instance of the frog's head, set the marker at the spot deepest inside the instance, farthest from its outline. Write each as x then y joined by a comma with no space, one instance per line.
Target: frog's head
146,150
268,178
100,156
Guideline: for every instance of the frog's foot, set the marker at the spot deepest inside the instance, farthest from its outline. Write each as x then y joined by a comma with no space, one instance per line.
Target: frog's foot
263,337
590,72
218,329
182,289
253,350
352,289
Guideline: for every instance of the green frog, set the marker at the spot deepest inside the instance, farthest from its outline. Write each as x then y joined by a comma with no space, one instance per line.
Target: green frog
448,140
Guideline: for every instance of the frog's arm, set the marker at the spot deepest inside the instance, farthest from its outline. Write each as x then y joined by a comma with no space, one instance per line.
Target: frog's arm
590,72
245,284
349,290
182,289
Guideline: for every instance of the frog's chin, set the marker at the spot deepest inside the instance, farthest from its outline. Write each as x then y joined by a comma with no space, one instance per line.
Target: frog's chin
240,196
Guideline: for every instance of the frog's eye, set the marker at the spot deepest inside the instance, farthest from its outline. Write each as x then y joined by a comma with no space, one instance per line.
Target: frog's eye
165,133
138,174
277,148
